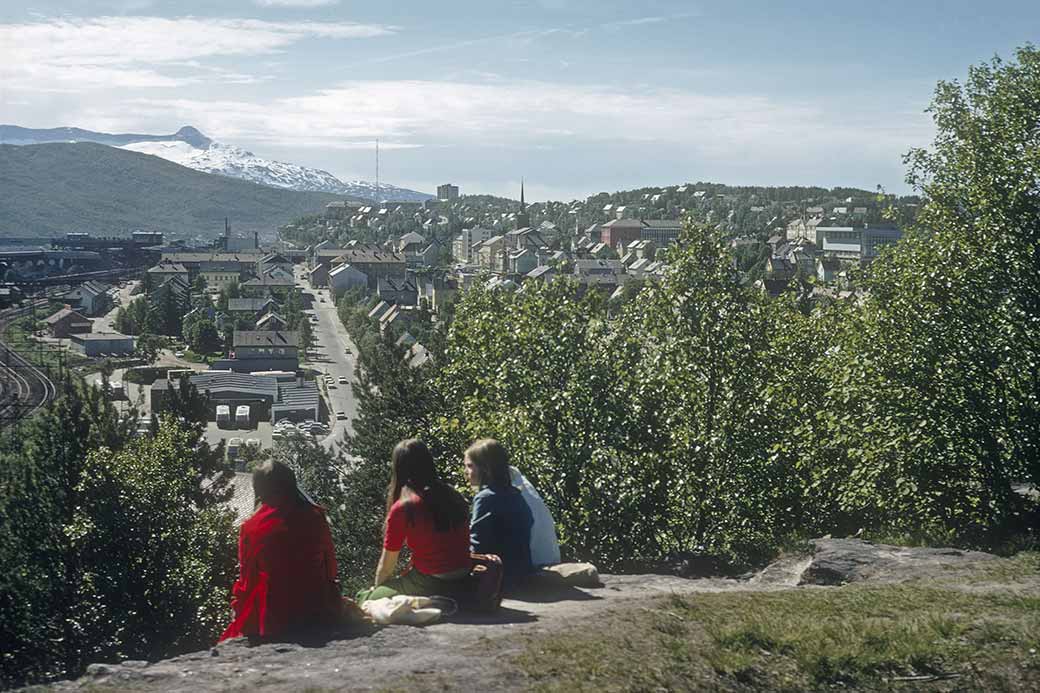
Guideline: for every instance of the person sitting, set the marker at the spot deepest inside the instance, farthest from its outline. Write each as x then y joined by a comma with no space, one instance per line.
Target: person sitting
287,563
545,548
501,521
430,518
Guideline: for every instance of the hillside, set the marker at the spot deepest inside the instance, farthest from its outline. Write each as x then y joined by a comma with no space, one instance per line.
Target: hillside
52,189
189,147
850,615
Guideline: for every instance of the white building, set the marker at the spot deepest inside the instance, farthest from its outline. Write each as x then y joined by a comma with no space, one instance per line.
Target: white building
462,247
856,243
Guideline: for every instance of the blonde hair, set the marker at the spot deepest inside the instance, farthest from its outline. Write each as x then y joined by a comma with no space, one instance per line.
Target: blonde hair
490,459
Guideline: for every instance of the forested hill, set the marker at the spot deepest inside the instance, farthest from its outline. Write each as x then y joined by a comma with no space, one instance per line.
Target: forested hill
52,189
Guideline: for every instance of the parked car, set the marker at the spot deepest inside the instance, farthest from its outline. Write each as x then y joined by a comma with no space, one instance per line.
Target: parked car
233,447
179,354
343,380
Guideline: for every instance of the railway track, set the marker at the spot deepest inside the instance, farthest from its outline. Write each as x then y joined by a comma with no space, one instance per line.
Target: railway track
26,388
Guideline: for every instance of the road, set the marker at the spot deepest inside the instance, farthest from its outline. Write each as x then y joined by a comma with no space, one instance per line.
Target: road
333,355
120,298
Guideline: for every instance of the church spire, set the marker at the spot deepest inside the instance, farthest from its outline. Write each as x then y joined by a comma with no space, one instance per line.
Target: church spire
523,220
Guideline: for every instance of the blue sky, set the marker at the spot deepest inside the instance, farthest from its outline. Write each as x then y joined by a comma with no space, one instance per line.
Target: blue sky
575,96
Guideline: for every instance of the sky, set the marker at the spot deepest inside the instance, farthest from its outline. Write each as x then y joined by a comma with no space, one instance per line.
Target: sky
573,96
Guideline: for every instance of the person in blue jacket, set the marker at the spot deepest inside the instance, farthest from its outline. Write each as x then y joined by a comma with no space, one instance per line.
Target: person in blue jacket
501,520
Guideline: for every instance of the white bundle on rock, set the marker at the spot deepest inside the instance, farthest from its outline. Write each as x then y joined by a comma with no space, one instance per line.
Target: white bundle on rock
402,609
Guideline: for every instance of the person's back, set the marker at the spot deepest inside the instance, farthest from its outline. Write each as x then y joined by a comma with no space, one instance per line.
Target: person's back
545,549
287,571
501,525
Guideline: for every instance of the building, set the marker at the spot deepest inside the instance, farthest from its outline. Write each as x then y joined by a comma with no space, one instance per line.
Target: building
260,350
861,244
67,322
661,231
218,274
374,264
193,261
624,231
521,261
255,306
269,397
90,298
827,269
400,291
411,246
166,269
272,322
340,210
347,278
523,219
273,261
447,191
268,284
620,231
463,247
102,344
252,344
490,254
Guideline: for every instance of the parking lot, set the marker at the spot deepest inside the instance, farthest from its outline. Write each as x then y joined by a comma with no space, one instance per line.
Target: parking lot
261,433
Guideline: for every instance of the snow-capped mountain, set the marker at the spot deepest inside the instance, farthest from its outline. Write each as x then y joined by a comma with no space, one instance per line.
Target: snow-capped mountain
190,148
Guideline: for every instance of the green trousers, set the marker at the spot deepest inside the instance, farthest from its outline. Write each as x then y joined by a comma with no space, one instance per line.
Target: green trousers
415,584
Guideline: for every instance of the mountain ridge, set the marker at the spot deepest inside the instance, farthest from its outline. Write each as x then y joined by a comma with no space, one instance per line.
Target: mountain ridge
55,188
192,149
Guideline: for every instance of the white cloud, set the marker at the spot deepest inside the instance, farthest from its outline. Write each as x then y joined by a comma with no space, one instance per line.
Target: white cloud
130,52
296,3
525,114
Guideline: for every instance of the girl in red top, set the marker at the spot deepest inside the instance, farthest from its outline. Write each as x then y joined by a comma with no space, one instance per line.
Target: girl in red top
287,581
428,516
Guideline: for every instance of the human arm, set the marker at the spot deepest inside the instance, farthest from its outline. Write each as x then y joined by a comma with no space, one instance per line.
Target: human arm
393,541
482,537
386,567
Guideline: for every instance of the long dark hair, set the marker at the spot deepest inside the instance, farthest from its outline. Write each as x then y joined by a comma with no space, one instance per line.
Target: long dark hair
491,461
412,467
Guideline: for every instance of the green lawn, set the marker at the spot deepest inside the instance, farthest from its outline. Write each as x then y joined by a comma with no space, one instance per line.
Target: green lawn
900,637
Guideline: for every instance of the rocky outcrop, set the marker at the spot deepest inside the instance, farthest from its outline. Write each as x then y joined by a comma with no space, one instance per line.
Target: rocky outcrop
375,658
842,561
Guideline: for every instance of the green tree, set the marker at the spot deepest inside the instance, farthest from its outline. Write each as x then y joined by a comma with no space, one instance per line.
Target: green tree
932,407
202,336
156,506
186,404
148,346
44,619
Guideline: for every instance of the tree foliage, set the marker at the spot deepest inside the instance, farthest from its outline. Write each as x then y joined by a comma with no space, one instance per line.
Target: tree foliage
113,548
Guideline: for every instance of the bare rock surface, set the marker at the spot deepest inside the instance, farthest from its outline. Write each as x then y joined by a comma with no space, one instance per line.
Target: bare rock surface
842,561
456,650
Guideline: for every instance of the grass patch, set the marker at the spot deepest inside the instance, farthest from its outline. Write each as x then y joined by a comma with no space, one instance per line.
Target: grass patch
18,335
860,638
194,357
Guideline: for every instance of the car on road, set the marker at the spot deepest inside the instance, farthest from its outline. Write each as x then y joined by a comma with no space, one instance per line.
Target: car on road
330,385
341,415
343,380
